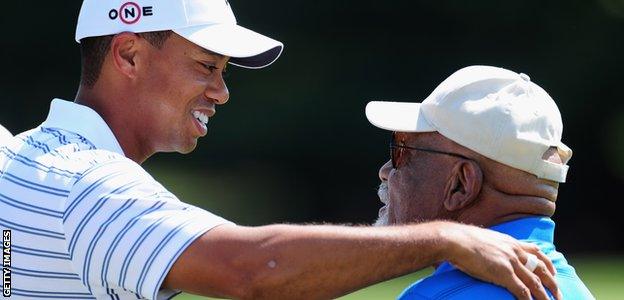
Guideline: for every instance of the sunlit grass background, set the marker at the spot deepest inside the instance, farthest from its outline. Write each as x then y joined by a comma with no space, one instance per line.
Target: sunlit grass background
603,275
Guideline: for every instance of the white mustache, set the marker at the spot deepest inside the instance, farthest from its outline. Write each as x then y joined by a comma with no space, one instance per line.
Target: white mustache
382,192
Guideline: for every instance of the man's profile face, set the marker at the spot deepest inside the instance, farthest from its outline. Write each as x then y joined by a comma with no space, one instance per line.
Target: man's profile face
414,191
180,86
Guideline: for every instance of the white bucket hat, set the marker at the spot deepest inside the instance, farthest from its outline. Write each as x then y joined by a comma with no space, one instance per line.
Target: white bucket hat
210,24
495,112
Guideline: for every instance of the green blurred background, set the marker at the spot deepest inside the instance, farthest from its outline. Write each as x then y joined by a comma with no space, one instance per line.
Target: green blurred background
293,145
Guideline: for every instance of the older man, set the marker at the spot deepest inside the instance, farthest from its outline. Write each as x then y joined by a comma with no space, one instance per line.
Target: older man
484,149
88,222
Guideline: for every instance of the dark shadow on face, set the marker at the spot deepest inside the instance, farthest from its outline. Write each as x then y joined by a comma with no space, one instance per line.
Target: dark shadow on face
416,187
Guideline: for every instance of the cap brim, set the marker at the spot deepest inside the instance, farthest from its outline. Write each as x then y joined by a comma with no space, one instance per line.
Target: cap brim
398,116
245,48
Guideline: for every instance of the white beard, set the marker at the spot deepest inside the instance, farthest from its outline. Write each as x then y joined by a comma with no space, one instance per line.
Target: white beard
381,220
382,192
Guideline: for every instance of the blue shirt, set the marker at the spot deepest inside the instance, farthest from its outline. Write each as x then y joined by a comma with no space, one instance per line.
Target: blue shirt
447,282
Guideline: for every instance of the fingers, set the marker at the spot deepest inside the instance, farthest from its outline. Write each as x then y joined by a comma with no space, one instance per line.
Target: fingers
533,249
547,262
548,280
499,259
545,269
518,289
532,281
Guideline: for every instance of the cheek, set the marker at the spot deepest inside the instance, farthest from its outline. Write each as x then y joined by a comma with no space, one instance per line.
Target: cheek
410,197
401,191
173,78
171,96
405,206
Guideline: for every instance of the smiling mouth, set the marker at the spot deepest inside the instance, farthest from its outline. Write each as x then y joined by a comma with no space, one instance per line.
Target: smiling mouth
201,117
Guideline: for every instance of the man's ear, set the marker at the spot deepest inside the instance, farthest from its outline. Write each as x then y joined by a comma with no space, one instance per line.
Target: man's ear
123,51
463,186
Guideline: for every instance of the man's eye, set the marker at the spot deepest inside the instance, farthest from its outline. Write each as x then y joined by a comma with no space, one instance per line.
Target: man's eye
210,67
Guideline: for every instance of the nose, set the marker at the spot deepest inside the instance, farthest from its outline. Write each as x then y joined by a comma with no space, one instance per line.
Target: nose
384,171
217,90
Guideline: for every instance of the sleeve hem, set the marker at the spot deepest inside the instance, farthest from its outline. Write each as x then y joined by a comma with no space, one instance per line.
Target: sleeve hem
167,293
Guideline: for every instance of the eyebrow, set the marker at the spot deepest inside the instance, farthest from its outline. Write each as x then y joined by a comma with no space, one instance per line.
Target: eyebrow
208,52
211,53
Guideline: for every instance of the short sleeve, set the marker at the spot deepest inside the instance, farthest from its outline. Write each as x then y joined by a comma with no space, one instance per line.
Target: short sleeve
124,230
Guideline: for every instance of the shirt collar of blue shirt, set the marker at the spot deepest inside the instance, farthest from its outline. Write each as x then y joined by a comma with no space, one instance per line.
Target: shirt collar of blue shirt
533,229
84,121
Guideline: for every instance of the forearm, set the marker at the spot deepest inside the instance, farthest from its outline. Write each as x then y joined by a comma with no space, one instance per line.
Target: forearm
317,262
312,262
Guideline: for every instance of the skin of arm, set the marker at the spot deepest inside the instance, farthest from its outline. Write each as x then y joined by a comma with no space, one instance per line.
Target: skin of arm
323,262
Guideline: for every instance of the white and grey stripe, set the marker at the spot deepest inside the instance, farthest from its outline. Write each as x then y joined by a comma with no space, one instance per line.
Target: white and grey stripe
87,222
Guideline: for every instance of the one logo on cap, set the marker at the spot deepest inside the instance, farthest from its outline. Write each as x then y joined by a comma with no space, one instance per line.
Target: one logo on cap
130,13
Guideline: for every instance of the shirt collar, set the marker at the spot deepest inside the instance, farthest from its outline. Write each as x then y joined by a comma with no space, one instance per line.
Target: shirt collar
84,121
535,229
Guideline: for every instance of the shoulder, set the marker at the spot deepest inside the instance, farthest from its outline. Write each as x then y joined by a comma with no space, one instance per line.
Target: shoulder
54,152
89,161
453,285
108,171
74,162
55,158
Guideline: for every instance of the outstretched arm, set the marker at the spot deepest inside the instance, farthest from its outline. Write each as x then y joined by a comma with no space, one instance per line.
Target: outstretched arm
321,262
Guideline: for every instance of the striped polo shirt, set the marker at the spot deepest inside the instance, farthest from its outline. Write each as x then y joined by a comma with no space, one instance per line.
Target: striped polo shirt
5,135
86,222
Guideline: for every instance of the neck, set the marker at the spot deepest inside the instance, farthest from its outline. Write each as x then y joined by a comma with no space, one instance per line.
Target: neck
118,118
495,207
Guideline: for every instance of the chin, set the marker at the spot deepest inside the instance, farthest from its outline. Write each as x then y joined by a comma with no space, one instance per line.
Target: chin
187,150
184,148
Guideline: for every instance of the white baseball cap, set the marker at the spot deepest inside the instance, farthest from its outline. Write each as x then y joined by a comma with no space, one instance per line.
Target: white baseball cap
210,24
495,112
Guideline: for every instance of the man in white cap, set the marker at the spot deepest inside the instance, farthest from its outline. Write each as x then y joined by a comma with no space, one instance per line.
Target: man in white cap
484,149
88,222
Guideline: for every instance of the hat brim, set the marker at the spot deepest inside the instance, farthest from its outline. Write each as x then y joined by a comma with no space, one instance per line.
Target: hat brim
398,116
245,48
